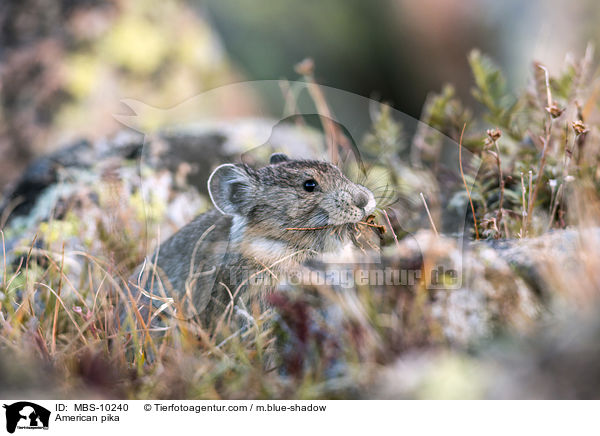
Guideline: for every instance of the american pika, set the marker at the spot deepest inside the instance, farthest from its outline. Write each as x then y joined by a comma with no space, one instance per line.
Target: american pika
263,219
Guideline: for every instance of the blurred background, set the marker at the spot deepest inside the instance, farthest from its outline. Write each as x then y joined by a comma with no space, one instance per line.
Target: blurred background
66,64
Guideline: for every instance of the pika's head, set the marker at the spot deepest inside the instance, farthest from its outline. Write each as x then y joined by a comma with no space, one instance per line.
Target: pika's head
290,204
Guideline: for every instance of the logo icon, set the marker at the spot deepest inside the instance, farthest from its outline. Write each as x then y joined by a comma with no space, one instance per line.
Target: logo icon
26,415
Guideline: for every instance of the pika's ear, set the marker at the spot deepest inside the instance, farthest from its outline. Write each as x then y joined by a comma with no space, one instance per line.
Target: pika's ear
230,188
278,158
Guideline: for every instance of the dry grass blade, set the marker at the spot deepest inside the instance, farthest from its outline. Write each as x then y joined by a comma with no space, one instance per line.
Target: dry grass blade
60,280
500,214
333,134
391,228
309,228
66,311
540,173
523,232
462,174
429,214
545,142
15,275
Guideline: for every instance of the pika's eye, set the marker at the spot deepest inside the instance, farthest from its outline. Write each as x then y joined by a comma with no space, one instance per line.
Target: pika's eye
310,185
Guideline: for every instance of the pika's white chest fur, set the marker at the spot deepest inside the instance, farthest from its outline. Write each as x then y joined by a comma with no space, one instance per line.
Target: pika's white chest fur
266,250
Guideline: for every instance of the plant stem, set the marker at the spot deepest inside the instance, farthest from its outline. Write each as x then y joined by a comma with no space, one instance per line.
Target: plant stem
501,182
429,215
462,174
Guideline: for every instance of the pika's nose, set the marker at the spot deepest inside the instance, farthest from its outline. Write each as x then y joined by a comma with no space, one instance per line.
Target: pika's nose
361,199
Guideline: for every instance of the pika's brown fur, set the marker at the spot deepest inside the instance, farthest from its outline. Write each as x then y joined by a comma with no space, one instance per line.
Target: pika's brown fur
209,262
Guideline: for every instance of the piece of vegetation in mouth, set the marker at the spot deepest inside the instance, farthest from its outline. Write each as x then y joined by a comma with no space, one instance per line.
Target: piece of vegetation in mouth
369,222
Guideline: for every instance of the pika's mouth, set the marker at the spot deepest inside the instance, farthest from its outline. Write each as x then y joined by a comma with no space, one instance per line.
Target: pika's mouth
349,230
370,207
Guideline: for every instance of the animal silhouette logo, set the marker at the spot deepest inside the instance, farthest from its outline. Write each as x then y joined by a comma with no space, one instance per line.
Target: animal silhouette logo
26,415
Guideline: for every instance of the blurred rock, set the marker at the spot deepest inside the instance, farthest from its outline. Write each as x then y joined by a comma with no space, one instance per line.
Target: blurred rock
66,64
558,360
188,154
